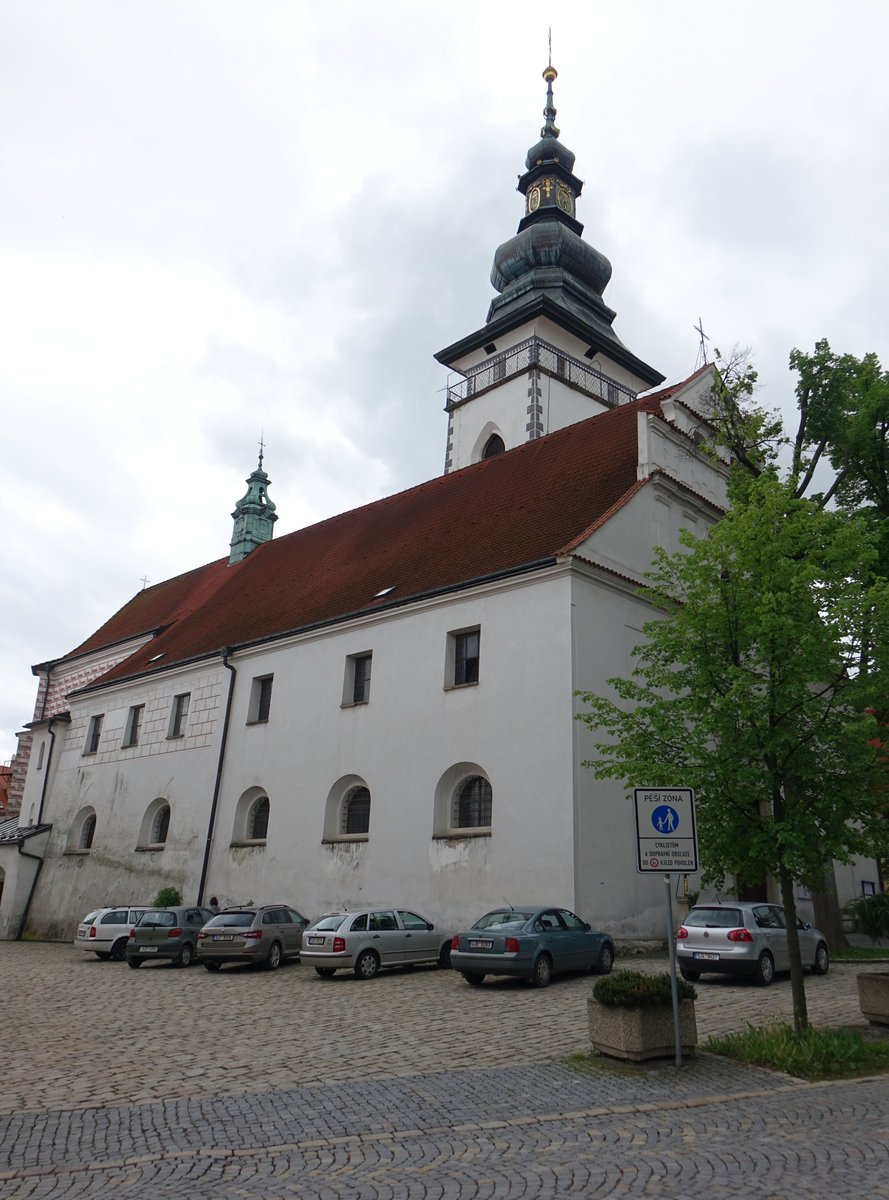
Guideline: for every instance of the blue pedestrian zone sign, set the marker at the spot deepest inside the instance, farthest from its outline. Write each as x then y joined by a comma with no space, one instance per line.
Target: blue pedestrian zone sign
666,837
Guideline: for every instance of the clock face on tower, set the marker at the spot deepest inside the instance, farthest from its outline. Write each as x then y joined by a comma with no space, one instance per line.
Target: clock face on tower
533,199
565,201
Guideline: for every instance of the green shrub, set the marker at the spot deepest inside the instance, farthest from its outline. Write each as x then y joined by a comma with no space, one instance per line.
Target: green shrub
167,897
636,989
871,915
808,1054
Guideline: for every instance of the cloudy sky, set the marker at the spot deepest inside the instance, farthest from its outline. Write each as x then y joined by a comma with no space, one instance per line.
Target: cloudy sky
220,218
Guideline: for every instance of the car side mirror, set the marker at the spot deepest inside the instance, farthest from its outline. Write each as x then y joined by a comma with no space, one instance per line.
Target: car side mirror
587,926
807,925
429,925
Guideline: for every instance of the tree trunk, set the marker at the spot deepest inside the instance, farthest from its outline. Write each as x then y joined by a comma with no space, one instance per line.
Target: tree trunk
797,982
828,917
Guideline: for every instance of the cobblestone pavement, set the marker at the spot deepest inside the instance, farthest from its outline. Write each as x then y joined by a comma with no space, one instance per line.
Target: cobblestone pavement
244,1084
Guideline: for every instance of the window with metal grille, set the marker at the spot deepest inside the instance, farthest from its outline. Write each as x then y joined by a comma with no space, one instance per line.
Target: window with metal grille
160,826
466,656
134,725
94,734
356,811
258,825
472,805
87,833
361,684
179,714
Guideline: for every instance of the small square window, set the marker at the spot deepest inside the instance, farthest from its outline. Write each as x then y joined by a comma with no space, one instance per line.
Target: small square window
356,689
134,725
94,734
260,700
463,658
178,715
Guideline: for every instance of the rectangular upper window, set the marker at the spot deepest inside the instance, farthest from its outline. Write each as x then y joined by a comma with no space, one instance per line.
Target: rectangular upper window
134,725
356,689
463,657
178,715
94,734
260,699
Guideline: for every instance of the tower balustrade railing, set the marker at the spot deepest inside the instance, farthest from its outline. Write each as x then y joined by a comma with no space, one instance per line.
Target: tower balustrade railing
535,352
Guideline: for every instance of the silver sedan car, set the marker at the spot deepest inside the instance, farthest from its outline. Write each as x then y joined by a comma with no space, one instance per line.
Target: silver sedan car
367,939
744,938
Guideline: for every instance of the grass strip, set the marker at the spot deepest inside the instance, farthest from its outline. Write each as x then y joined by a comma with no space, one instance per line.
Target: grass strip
810,1054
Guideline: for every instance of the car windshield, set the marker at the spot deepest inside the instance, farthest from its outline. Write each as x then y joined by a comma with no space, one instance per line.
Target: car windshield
240,919
714,918
332,922
500,920
158,920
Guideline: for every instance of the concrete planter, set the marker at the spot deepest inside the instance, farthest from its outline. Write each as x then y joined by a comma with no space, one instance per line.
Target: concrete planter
873,997
640,1033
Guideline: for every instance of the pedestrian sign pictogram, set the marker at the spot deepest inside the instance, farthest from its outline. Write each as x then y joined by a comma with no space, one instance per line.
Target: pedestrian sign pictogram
666,836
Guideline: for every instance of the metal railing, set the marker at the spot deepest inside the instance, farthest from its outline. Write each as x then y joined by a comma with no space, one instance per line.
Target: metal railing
534,352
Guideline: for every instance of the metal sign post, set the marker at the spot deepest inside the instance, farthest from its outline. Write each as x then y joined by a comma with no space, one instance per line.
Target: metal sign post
667,840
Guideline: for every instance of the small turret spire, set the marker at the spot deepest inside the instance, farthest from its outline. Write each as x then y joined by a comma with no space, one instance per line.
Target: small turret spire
254,514
549,113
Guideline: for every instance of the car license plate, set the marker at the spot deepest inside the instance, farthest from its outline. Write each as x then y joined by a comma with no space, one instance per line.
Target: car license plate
222,937
480,944
315,941
148,949
700,955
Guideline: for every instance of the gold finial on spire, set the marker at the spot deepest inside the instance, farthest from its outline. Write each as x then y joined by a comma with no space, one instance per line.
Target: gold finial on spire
549,113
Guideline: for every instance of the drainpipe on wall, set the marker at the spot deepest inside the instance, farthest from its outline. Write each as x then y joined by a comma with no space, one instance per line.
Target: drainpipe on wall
224,653
46,766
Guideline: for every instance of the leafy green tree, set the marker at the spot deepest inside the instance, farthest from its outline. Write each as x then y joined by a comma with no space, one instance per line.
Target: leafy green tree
757,689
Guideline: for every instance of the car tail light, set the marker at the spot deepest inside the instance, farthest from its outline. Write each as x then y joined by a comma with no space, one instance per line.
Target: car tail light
253,935
455,942
132,933
511,945
683,932
739,935
202,935
177,932
92,931
339,945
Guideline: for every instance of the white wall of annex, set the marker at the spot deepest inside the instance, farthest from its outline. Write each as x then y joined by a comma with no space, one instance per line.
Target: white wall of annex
515,725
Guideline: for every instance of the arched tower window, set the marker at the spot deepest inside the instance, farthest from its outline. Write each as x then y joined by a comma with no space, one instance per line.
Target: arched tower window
494,445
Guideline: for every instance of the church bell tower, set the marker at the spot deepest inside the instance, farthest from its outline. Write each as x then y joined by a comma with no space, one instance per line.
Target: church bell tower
547,355
254,515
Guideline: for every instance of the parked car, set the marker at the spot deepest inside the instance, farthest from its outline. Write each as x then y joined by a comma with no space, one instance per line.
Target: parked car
744,938
531,943
104,931
267,934
370,938
167,933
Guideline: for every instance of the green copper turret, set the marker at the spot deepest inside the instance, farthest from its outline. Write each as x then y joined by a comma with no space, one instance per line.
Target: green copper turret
254,516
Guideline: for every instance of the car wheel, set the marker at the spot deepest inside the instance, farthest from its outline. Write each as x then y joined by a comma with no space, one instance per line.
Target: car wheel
821,965
689,976
542,975
765,970
134,963
118,950
186,956
212,966
273,958
325,972
473,977
605,961
367,965
444,956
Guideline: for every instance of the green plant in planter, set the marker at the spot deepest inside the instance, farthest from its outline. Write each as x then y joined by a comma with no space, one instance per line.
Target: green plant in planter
636,989
167,897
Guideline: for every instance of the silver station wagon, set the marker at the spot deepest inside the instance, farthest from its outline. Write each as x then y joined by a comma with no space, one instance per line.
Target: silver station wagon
105,931
745,938
367,939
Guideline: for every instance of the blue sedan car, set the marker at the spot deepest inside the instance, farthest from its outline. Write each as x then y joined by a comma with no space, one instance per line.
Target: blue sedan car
530,943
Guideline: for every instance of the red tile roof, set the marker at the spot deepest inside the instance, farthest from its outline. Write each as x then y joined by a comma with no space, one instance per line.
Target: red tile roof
500,515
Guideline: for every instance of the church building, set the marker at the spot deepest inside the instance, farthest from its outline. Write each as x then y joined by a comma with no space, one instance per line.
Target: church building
380,707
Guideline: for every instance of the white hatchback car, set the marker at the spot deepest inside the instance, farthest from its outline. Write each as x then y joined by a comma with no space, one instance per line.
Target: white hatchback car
105,930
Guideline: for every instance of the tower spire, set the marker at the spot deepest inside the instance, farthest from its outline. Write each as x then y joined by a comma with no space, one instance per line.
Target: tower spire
254,514
549,113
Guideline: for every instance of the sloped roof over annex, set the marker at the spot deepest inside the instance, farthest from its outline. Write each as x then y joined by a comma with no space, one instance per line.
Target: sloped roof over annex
513,512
